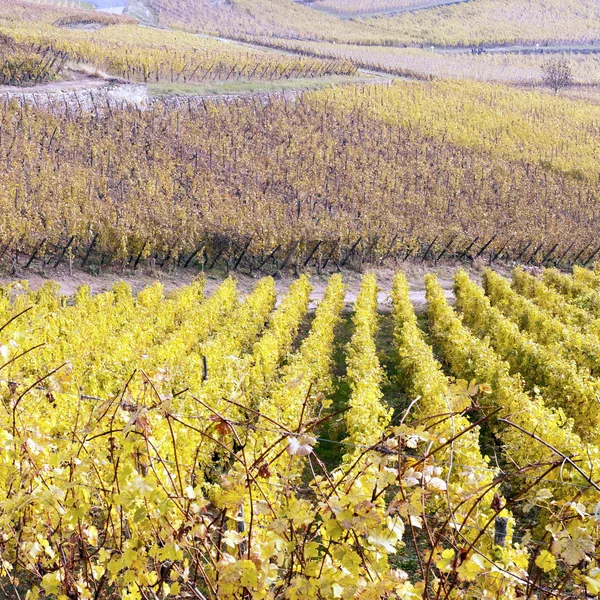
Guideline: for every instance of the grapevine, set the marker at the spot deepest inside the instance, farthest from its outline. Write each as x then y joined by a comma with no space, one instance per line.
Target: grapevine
573,344
576,291
436,401
550,300
473,358
560,381
368,417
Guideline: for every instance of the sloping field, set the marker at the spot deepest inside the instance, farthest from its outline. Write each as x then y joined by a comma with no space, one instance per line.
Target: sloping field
501,65
273,18
477,22
491,22
471,23
119,47
363,171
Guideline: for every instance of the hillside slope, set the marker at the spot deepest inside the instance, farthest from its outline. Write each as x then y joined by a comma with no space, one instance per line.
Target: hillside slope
275,18
497,22
469,23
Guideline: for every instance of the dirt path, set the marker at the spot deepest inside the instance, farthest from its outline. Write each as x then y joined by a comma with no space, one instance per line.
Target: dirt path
385,13
69,282
523,49
82,88
54,87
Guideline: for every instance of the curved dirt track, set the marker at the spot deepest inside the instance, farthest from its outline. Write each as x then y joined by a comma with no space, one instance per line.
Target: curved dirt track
387,13
54,87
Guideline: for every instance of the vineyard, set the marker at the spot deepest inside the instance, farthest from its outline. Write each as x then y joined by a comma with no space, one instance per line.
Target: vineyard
343,176
427,63
491,22
23,66
473,23
371,369
197,445
272,18
116,45
476,23
121,48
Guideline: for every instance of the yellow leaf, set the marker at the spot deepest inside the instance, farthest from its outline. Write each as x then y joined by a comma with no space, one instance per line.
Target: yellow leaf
469,570
572,546
445,564
592,584
249,575
33,594
546,561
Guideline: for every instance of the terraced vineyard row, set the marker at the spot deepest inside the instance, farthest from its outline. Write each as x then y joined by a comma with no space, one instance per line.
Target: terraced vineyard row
51,36
172,446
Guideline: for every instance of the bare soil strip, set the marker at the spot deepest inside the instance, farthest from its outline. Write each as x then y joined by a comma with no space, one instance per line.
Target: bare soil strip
70,280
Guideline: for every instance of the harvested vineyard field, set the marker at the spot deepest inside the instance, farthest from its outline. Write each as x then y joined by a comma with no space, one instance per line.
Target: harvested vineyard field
140,54
496,65
494,22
